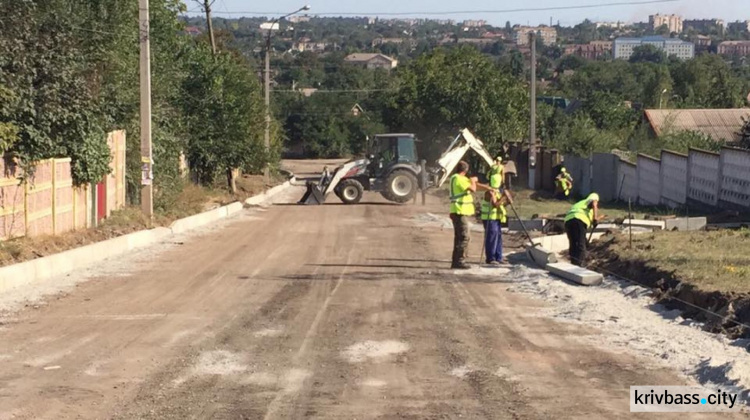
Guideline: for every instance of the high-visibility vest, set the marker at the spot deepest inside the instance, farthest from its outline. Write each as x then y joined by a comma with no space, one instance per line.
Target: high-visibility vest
581,211
462,202
565,185
496,176
489,212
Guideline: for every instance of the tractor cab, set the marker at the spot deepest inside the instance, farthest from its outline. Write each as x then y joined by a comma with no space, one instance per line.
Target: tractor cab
387,150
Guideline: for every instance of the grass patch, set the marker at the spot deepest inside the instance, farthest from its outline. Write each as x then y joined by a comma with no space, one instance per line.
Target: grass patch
711,261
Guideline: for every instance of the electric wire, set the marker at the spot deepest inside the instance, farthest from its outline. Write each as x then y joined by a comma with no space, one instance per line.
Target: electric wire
463,12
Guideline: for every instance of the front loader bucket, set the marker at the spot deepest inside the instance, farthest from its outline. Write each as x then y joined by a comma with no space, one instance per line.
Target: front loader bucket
313,195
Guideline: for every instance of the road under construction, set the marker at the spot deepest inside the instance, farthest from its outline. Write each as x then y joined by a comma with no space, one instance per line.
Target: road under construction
326,312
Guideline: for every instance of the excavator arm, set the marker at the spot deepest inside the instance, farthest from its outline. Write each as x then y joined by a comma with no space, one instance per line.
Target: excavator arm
464,142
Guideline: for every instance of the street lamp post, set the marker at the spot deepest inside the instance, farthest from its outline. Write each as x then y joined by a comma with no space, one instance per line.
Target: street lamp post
267,134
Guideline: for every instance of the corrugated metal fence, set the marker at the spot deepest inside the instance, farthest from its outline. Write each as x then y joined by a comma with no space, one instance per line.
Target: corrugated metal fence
700,178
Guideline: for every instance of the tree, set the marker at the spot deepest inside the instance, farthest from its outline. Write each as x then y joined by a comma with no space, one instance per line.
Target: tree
648,54
444,91
745,134
225,113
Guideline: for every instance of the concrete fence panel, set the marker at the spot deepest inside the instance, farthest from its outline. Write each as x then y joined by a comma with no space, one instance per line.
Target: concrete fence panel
649,180
12,201
604,180
627,176
580,169
47,203
735,178
674,169
703,178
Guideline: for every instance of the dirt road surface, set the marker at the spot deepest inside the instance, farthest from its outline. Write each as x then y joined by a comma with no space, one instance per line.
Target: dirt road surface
325,312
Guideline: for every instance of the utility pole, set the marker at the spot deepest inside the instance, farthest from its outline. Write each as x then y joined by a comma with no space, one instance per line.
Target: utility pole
267,90
207,8
147,175
532,125
267,83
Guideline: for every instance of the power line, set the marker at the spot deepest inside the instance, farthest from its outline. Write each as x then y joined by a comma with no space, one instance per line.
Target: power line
464,12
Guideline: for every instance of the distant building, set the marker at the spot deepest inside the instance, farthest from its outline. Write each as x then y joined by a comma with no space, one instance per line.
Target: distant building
493,35
741,48
592,51
304,44
722,125
372,61
624,47
673,22
740,26
702,43
193,31
409,42
474,23
613,25
546,33
476,41
298,19
705,26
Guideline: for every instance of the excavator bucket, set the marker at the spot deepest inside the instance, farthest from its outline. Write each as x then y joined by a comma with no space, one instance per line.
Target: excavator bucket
313,195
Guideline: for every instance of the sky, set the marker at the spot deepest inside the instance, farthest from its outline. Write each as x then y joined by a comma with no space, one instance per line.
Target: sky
729,10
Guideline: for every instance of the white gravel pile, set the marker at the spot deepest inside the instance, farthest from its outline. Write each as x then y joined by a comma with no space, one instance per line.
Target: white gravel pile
631,321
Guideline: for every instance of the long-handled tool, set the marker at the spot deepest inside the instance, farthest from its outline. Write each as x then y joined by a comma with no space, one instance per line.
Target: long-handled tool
523,227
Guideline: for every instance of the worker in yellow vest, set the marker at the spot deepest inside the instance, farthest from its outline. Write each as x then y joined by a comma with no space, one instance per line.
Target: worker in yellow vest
563,183
493,216
462,210
579,218
497,173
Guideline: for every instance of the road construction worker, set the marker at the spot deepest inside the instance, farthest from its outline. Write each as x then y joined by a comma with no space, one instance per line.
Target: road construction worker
563,184
579,218
462,210
496,174
493,216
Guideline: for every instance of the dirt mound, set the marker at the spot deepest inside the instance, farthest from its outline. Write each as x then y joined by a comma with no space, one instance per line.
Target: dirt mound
720,311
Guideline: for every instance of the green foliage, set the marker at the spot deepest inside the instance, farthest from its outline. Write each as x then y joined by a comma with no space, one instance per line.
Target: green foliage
442,92
224,115
8,130
56,110
648,54
745,134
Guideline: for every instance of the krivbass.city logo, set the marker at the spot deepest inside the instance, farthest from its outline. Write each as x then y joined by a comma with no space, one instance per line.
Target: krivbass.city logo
682,399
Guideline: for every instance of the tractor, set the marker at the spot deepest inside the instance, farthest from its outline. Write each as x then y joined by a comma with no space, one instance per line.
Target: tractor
391,168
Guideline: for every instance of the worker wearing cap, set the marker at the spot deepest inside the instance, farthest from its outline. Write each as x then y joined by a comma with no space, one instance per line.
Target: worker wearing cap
579,218
564,183
462,210
493,216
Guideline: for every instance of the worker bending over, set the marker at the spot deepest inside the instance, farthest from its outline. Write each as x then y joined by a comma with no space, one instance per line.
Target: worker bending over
563,183
577,221
462,210
493,216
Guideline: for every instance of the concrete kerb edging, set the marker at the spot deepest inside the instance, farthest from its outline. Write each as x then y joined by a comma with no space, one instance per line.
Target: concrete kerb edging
260,198
64,262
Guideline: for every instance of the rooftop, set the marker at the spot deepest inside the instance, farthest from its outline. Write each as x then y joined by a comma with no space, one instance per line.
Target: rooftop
719,124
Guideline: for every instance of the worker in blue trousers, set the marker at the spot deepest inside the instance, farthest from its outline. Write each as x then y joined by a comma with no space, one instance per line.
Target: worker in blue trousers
493,214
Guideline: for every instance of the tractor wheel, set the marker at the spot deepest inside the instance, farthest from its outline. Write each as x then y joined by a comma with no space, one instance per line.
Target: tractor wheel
350,191
400,186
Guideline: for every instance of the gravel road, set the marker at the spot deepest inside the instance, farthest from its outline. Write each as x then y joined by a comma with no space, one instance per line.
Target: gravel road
308,312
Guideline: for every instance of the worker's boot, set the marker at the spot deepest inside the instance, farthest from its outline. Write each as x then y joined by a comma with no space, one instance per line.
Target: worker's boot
460,266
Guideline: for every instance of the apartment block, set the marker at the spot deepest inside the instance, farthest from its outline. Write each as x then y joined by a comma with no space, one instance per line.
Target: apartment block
546,33
624,47
673,22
